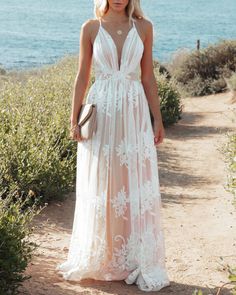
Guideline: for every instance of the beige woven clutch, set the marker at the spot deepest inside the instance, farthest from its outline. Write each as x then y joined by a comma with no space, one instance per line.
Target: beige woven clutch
87,120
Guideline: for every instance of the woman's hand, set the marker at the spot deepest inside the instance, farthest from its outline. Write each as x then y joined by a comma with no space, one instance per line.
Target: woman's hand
75,132
159,132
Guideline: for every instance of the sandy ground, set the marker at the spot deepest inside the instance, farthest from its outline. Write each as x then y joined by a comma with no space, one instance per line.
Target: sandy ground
199,218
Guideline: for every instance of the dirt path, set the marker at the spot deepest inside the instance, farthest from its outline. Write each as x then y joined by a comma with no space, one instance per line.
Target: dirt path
199,219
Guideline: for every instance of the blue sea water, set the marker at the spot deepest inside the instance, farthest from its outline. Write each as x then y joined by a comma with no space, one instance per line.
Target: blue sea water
36,33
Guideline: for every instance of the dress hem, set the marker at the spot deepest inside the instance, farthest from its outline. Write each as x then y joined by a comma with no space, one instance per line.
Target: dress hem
144,281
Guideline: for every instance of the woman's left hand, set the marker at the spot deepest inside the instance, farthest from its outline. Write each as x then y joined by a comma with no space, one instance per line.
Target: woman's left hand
159,132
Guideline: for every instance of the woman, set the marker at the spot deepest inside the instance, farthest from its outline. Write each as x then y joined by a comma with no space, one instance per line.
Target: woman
117,230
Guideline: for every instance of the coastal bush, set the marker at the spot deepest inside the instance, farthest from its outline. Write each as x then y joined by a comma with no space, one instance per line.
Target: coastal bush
231,84
204,71
170,98
161,69
2,71
16,249
36,154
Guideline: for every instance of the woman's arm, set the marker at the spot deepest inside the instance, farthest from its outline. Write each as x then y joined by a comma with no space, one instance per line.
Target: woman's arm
149,82
83,74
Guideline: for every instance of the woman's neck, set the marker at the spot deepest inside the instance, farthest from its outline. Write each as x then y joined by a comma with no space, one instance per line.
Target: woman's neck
118,17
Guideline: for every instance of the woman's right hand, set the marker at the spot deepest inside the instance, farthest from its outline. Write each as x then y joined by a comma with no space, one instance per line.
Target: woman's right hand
75,133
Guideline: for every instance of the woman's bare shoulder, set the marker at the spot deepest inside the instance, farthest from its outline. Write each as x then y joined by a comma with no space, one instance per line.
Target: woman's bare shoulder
145,26
90,24
90,27
144,23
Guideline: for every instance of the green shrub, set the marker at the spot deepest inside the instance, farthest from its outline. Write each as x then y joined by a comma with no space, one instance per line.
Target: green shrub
2,71
203,71
37,155
170,104
16,249
231,82
161,69
232,278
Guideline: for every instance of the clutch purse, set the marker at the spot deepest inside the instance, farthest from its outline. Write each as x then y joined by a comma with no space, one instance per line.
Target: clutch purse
87,120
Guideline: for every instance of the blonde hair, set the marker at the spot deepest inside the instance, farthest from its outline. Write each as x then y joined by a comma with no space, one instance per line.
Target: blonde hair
133,9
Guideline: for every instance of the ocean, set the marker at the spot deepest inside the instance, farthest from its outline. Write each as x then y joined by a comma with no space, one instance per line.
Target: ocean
37,33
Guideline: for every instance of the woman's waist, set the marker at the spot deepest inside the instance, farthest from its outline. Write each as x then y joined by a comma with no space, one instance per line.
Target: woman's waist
117,75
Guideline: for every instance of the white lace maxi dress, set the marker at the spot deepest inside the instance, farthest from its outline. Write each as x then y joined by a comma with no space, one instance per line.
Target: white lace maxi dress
117,229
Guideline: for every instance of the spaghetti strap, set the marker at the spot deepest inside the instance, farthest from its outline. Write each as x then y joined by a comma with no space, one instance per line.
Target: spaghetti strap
134,26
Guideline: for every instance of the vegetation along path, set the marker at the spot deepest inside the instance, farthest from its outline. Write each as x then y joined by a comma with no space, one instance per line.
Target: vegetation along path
198,215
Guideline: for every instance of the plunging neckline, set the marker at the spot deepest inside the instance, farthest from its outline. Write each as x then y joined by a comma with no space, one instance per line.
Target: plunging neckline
119,63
